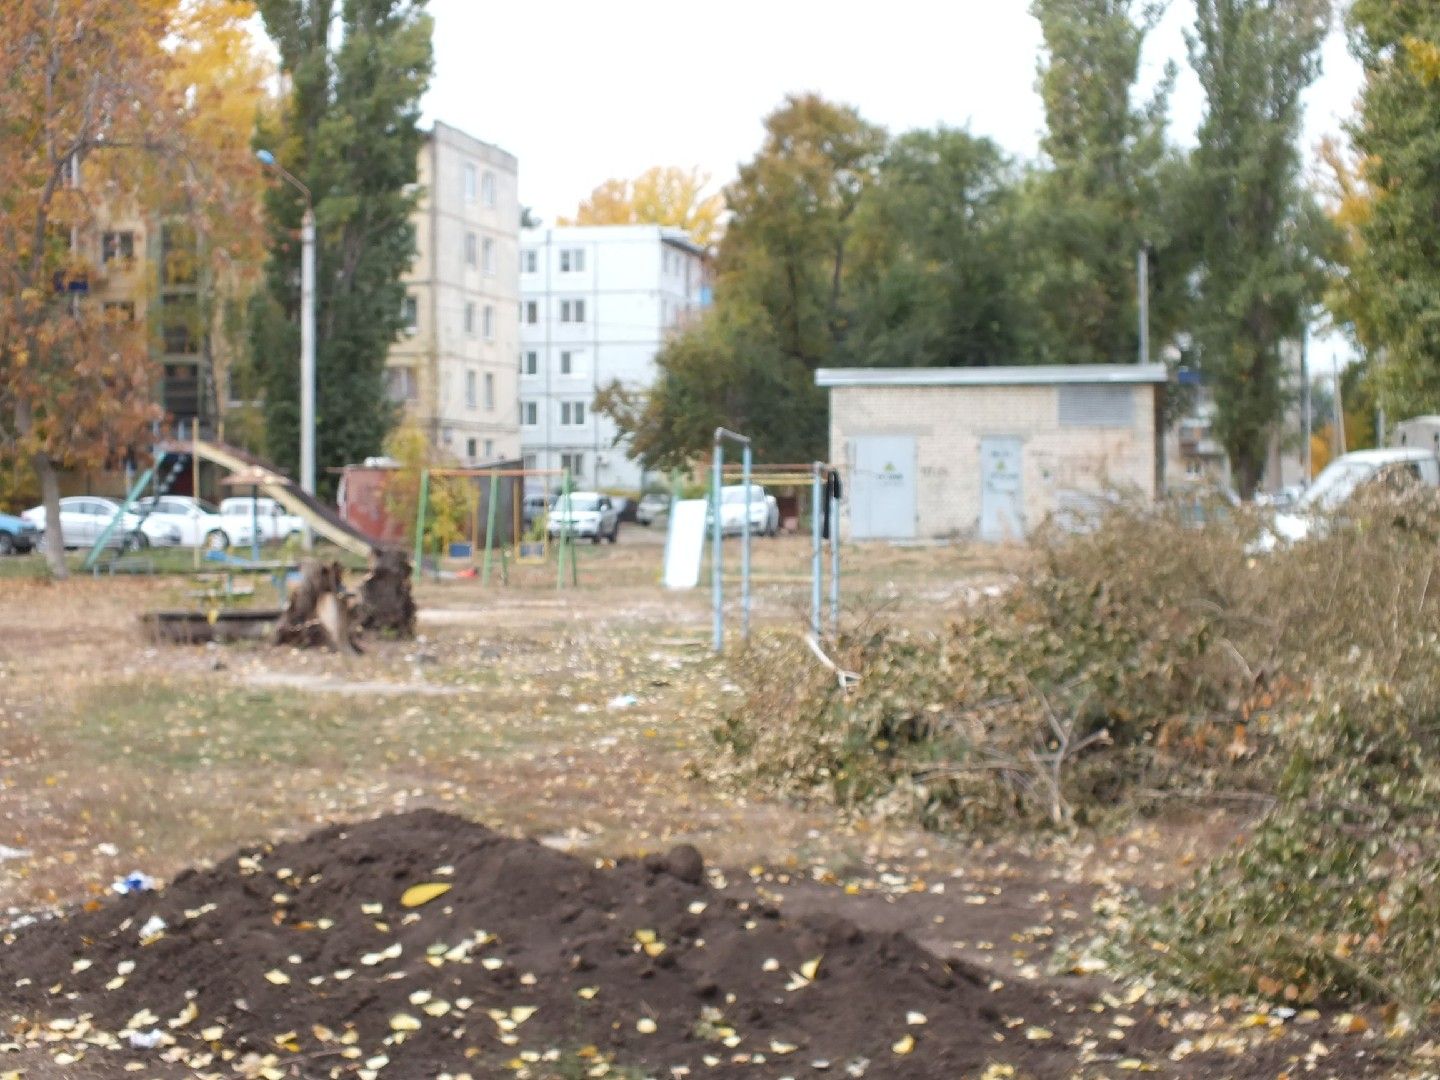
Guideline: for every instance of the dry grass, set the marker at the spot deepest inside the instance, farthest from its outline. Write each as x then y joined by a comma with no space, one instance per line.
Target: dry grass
174,755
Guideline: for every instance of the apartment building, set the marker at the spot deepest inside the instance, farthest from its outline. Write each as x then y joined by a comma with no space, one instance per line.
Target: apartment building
454,367
596,304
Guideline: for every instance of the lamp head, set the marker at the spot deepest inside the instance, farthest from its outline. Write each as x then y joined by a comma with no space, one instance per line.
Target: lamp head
265,157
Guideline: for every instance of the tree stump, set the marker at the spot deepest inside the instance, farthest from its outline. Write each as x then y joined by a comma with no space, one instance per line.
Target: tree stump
386,603
320,613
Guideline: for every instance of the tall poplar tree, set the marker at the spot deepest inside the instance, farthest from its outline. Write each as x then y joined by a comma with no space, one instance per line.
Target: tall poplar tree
350,131
1256,225
1390,290
1103,192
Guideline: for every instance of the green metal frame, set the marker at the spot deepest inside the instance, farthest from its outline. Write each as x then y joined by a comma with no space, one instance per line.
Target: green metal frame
130,499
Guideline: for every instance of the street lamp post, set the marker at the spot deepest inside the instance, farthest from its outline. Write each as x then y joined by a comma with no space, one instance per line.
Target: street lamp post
307,333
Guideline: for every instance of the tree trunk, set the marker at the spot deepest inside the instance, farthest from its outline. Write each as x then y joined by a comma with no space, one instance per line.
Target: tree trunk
54,534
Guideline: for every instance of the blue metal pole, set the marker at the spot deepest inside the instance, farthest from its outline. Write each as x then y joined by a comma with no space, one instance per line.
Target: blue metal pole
815,564
834,566
717,586
745,549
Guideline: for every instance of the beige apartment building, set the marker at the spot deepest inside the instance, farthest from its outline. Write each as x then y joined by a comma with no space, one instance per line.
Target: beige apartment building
455,368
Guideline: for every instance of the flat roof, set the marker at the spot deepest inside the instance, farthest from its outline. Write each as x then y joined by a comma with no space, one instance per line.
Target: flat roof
1040,375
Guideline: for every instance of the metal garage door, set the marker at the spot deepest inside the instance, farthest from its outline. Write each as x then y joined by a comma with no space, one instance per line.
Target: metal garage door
882,487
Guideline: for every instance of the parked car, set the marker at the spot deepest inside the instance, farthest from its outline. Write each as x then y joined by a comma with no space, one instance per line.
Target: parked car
83,518
651,507
17,536
193,522
1341,479
585,514
239,511
764,511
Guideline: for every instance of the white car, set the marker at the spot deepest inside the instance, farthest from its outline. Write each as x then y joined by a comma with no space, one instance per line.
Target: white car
84,518
764,511
192,522
1341,479
239,511
586,514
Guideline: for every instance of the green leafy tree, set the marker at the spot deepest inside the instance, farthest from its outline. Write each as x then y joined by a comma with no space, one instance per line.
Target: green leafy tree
937,271
781,307
1390,290
1106,190
1257,229
350,131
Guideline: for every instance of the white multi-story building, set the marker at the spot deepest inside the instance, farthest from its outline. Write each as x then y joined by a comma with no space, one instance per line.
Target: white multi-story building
454,368
596,304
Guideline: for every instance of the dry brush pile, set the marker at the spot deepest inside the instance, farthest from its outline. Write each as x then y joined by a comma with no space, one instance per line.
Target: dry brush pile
1149,660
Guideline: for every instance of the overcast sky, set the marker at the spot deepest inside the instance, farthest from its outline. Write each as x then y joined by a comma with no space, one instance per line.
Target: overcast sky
581,92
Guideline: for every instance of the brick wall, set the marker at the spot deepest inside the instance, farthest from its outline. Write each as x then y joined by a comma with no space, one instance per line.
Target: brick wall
949,422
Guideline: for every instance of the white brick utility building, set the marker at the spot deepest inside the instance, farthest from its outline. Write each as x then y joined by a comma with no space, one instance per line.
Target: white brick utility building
989,452
454,367
596,304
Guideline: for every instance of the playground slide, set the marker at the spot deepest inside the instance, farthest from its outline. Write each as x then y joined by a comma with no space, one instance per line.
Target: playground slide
323,519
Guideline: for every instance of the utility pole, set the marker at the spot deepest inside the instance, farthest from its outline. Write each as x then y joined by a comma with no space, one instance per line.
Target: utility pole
1339,408
1305,422
1142,263
307,333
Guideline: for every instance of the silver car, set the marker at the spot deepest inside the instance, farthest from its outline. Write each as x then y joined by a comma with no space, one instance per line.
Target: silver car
84,518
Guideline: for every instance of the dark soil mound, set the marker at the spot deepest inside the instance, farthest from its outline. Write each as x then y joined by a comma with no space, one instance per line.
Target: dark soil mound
303,958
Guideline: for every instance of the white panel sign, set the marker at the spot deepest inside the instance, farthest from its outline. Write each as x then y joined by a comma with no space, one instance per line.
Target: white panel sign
685,544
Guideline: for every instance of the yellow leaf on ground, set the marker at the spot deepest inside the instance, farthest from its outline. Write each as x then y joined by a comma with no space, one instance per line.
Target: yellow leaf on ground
416,895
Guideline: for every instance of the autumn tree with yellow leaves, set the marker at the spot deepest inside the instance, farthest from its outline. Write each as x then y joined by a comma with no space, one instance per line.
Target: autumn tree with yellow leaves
106,102
659,196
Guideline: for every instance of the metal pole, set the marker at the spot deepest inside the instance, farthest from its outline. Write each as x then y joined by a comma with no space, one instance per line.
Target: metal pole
717,586
1143,270
834,563
420,523
307,360
255,523
566,531
490,527
815,563
745,548
1305,421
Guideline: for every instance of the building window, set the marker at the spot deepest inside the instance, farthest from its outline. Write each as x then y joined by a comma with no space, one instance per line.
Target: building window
471,176
410,314
489,392
487,255
572,261
470,390
575,463
117,245
120,310
567,362
180,323
470,317
489,322
572,413
532,312
572,311
470,248
178,264
528,413
529,461
528,262
470,449
400,384
529,363
489,449
487,190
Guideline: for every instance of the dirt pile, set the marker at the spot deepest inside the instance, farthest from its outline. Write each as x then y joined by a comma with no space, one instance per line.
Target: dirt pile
321,958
